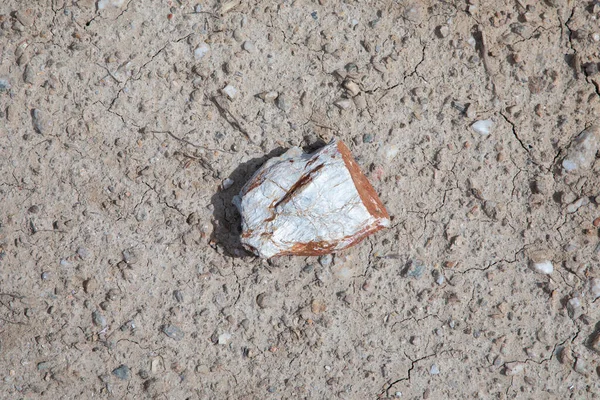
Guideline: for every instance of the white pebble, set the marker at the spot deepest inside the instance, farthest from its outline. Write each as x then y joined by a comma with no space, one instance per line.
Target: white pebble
582,150
483,127
248,46
434,370
230,91
201,51
543,267
224,338
227,183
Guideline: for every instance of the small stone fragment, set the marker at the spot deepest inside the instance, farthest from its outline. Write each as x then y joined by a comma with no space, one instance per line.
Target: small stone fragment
268,96
574,307
289,207
574,206
201,51
543,267
4,85
434,370
90,285
514,368
40,123
343,104
583,149
483,127
443,31
224,338
98,319
229,91
283,102
263,300
173,332
122,372
227,183
249,46
580,366
352,87
415,269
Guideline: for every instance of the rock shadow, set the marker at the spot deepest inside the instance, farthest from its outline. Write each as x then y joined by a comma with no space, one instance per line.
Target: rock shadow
227,222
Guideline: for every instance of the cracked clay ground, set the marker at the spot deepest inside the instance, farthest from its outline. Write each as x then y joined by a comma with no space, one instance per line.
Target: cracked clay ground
121,272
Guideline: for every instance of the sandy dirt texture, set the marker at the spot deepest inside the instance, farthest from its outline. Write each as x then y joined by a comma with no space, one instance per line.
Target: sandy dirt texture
124,122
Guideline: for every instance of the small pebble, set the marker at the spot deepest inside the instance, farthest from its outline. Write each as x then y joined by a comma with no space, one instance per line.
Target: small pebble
574,307
45,276
283,102
249,46
574,206
122,372
580,366
343,104
269,96
543,267
483,127
40,123
470,111
414,269
229,91
514,368
582,150
90,285
173,332
434,370
178,295
368,138
443,30
4,85
201,51
224,338
227,183
352,87
98,319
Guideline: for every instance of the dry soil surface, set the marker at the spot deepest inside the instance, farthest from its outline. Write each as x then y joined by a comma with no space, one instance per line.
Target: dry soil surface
121,272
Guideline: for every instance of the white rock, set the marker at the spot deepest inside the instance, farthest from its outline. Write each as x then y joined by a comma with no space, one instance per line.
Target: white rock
309,204
201,51
224,338
230,91
582,151
227,183
483,127
543,267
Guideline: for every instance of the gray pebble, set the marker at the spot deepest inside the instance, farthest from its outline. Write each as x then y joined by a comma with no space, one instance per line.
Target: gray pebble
33,209
283,102
415,268
83,253
98,319
122,372
40,124
434,370
129,256
178,295
173,332
45,276
43,365
4,85
90,285
368,138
